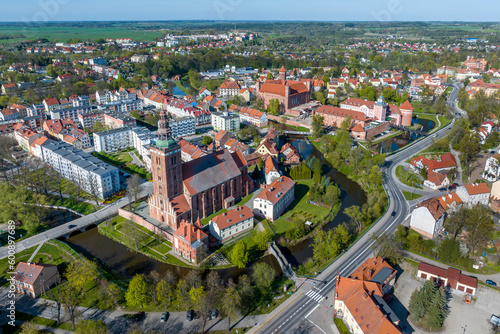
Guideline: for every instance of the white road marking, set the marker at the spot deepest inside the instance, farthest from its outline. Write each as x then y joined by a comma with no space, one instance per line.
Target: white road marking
308,314
316,326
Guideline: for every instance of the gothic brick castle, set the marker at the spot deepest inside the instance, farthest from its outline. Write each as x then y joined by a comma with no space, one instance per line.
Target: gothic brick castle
193,189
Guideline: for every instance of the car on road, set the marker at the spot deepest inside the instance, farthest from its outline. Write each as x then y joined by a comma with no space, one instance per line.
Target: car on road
490,282
454,185
189,315
138,316
213,314
71,226
164,316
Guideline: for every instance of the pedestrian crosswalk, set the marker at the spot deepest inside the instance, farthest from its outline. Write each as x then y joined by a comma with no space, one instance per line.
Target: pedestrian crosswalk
314,295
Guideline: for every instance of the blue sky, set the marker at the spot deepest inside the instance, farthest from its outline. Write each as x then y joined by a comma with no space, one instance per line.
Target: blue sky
320,10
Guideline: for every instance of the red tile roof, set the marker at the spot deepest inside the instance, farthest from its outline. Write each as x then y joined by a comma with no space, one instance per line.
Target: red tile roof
232,217
28,273
477,188
454,275
275,191
336,111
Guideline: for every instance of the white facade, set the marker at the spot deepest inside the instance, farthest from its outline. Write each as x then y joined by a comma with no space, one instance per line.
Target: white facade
274,199
112,140
424,222
225,121
491,171
86,171
239,223
182,126
472,194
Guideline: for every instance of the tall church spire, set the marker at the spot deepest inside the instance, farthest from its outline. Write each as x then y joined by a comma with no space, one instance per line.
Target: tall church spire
164,131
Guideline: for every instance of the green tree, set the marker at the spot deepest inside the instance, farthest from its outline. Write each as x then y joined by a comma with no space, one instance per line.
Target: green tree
449,250
262,239
387,247
231,303
263,275
207,140
479,226
260,163
239,254
436,312
135,114
417,305
358,219
91,327
274,107
196,295
136,294
182,294
29,327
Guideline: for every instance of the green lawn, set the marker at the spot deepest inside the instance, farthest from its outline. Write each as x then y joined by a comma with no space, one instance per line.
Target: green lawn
341,326
410,196
426,116
408,178
71,203
149,243
123,160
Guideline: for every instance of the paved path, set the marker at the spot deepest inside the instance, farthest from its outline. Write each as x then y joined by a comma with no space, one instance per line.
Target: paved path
136,160
456,154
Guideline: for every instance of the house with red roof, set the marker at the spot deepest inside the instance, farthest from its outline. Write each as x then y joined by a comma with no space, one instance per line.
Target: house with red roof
359,299
451,278
232,223
229,88
289,154
436,180
271,170
32,279
8,88
428,217
275,198
190,241
475,193
445,162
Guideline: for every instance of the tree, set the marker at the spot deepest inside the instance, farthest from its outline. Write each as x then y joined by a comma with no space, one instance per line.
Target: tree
387,247
207,140
182,294
136,294
263,275
260,163
274,107
135,114
239,254
317,125
470,148
358,219
94,188
245,288
262,239
436,313
231,303
165,289
91,327
196,295
449,250
134,186
479,226
346,123
79,274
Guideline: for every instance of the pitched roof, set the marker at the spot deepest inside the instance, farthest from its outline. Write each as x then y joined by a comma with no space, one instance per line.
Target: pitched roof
276,190
229,84
270,165
277,87
448,200
370,268
341,112
477,188
454,275
434,206
406,106
232,217
190,232
28,273
436,178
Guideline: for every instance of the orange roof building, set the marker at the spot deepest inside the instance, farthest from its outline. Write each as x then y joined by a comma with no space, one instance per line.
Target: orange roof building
31,279
359,299
275,198
428,217
232,223
189,240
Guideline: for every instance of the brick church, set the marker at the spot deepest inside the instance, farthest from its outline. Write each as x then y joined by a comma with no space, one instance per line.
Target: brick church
194,189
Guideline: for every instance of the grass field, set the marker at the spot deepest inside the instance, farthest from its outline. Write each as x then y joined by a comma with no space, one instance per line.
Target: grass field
66,33
410,196
408,178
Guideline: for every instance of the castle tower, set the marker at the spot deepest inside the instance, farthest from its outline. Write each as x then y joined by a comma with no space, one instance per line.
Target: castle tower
282,75
406,110
380,109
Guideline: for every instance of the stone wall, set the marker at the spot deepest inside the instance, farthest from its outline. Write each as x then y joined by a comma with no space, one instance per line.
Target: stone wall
144,223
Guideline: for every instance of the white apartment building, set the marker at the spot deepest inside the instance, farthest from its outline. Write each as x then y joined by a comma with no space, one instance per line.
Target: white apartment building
229,224
225,121
274,199
182,126
253,116
112,140
86,171
71,112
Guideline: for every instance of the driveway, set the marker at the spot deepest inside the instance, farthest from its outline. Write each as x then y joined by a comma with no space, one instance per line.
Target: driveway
136,160
473,318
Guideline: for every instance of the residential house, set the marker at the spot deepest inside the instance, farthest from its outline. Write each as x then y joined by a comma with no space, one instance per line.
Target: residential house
9,114
289,154
376,270
190,151
204,92
274,199
33,279
250,116
232,223
267,147
491,171
451,202
445,162
436,180
26,137
428,217
451,279
190,242
475,193
118,120
229,88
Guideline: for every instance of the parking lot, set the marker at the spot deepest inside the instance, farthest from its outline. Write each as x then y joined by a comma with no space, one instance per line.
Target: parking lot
462,318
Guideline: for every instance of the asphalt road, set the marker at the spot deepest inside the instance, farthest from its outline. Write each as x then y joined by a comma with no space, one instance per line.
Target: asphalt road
74,225
288,320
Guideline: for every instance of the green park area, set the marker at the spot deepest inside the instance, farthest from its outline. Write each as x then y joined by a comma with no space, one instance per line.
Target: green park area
139,239
408,178
123,160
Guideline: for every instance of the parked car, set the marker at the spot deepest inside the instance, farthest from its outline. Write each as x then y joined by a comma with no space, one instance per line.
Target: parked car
189,315
164,316
213,314
490,282
138,316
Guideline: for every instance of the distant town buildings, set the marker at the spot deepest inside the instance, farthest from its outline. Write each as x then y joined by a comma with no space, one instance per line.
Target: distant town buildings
182,126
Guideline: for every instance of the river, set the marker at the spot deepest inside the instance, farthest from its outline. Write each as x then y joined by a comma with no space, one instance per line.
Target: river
127,263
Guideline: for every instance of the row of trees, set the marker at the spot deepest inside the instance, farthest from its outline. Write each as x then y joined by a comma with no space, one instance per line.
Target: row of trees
202,295
428,306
